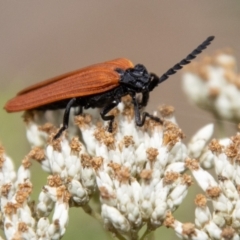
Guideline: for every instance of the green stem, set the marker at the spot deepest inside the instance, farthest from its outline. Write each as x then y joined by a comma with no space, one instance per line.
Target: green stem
148,231
87,209
220,127
116,235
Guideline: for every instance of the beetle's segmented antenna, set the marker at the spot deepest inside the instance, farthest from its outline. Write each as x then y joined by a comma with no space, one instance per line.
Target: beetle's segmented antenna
186,60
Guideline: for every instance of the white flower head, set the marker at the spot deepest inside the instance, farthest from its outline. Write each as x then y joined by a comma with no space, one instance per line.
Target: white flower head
213,84
136,171
222,221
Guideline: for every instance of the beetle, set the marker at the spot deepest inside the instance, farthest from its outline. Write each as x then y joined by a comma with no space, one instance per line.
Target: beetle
97,86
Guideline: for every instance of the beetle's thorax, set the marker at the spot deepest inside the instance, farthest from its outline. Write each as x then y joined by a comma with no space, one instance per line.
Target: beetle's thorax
136,79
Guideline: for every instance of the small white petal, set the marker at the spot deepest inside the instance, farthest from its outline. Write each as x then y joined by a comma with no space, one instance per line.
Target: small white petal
159,213
42,226
207,159
202,216
176,167
204,179
23,174
213,230
199,140
78,192
112,215
34,136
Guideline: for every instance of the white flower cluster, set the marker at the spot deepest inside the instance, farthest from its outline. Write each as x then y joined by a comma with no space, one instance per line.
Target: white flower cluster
214,85
223,220
137,174
18,213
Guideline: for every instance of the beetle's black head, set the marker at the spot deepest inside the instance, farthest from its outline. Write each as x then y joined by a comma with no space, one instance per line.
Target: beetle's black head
136,78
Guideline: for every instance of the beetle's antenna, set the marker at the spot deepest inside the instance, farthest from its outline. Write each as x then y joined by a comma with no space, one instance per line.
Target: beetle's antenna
186,60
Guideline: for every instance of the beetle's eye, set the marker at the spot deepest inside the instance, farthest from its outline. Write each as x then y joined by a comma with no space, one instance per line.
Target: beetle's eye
140,68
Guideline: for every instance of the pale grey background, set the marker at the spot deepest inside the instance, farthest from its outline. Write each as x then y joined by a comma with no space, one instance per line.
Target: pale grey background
41,39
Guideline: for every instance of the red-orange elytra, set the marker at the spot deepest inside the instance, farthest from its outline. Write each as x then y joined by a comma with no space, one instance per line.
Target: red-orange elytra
83,82
101,85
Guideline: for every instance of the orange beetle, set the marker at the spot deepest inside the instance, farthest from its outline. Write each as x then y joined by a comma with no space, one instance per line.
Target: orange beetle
101,85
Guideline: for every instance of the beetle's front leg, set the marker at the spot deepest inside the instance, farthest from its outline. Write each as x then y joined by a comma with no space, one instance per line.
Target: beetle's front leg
144,100
65,118
141,120
109,118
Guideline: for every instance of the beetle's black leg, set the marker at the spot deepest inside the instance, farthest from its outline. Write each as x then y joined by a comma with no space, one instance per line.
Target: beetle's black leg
140,121
109,118
65,118
154,82
145,98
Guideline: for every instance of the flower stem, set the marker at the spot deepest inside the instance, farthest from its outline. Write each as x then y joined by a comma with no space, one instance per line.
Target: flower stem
220,127
87,209
148,231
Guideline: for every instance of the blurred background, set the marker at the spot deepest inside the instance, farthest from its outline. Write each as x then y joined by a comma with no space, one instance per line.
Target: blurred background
42,39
